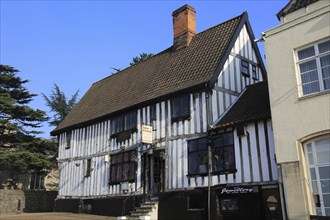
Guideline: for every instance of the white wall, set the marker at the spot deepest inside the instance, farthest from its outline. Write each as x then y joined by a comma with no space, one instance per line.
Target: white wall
296,119
95,141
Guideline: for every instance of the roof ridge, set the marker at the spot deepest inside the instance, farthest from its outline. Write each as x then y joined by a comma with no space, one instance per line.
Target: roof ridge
169,48
187,68
222,23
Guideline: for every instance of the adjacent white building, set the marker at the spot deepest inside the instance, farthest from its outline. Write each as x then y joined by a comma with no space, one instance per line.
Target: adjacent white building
298,65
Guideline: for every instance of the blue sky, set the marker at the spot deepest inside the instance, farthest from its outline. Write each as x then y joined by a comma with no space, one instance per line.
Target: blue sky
75,43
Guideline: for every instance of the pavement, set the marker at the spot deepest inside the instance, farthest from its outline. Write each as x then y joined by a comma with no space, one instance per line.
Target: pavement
52,216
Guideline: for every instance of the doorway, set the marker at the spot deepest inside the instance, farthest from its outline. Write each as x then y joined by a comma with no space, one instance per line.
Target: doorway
153,165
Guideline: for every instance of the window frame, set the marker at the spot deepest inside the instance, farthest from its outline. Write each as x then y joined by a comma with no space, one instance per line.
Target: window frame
313,165
222,147
68,140
153,116
131,163
245,67
192,199
182,115
37,181
317,55
254,71
123,125
213,149
190,173
88,167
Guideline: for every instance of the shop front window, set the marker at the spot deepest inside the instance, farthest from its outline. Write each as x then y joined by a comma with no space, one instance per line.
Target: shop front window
317,153
229,204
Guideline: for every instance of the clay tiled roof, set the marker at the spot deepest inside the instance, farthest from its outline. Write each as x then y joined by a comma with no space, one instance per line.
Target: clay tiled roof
292,6
252,105
166,73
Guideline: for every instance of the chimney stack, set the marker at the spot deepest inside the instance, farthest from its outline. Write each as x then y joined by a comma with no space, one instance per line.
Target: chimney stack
184,25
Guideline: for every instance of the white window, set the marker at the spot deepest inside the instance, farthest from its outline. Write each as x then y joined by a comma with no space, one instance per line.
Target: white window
317,153
314,68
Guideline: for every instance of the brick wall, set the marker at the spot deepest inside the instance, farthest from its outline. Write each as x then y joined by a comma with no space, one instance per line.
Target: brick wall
27,201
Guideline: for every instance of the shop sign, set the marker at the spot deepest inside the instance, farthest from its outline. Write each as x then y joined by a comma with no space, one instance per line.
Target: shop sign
236,190
146,134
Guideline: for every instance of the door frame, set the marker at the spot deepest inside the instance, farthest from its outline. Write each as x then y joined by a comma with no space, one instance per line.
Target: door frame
149,159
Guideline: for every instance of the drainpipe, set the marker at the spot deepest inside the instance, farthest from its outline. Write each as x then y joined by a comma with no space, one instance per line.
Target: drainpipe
282,192
209,148
209,151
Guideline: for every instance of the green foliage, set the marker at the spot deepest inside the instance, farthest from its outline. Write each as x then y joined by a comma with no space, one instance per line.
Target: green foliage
17,120
20,150
24,161
59,104
141,58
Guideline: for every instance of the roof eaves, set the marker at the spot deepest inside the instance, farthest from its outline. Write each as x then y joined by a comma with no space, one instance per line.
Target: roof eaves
281,12
95,120
234,123
256,49
214,125
213,78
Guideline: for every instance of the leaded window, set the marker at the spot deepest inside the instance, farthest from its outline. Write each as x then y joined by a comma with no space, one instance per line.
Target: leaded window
314,68
88,168
245,68
37,181
68,139
197,150
123,167
255,75
180,108
125,122
223,154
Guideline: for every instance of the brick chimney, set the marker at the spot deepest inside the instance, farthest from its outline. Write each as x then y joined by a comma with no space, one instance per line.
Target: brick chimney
184,25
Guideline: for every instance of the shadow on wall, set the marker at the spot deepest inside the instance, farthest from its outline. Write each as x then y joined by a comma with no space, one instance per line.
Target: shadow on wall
15,201
39,201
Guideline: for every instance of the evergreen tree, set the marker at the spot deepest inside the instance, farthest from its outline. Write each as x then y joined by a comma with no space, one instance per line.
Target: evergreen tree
20,150
59,104
142,57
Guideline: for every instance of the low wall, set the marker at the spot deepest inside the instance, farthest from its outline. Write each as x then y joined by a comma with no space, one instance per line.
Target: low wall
27,201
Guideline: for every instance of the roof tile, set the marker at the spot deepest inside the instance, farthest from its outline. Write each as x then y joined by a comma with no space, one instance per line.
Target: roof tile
292,6
166,73
252,105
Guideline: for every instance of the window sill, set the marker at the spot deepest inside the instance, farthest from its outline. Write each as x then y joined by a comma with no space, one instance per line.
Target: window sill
197,174
181,118
196,210
313,95
224,172
119,182
123,135
245,75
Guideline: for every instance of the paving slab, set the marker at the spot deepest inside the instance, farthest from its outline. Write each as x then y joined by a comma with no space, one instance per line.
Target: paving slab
52,216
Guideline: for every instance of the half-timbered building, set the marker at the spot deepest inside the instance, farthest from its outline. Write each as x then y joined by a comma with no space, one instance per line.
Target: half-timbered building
188,129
